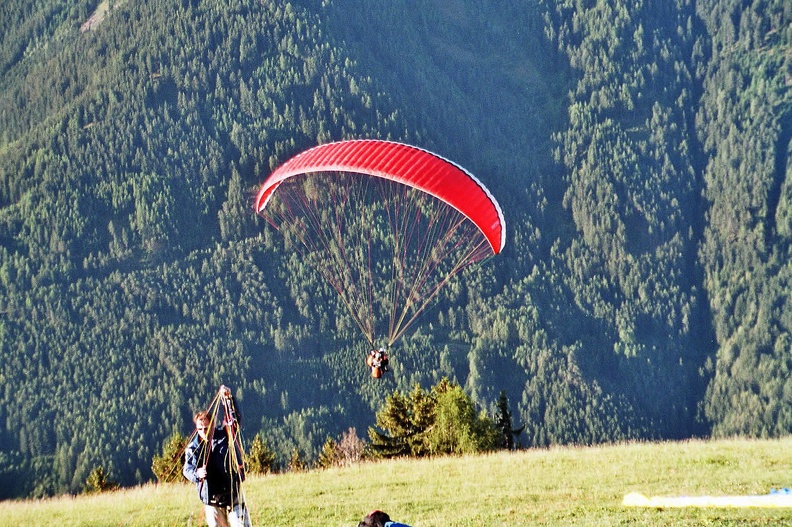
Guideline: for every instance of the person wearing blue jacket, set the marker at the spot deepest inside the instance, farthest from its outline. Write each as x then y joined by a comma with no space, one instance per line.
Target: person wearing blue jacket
378,518
214,465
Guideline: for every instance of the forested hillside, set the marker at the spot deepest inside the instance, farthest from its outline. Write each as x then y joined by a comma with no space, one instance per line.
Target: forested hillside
639,150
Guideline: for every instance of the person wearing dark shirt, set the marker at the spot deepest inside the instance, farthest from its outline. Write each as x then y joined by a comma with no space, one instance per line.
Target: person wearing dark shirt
213,463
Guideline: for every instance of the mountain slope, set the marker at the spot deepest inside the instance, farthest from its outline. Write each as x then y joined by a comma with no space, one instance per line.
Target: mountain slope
639,151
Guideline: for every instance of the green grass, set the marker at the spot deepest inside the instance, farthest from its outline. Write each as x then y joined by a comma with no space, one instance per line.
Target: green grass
558,486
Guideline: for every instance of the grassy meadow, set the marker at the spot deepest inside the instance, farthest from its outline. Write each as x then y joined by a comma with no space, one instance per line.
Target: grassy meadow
559,486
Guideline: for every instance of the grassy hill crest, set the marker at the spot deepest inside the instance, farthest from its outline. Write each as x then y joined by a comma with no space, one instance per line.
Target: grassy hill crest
558,486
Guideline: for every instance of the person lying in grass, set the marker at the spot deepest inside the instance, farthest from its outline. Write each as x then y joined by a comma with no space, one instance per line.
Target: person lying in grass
378,518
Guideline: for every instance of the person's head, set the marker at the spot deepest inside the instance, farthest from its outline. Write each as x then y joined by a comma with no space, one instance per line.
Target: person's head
202,423
375,519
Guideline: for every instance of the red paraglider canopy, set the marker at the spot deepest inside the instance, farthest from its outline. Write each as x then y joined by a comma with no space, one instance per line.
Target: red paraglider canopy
404,164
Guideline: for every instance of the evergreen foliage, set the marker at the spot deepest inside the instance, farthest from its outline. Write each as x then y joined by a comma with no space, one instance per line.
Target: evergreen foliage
402,424
328,456
296,463
260,457
504,425
639,149
167,466
97,482
442,420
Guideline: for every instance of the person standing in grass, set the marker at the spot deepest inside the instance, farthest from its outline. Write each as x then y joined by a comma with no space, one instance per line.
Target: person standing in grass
378,518
214,465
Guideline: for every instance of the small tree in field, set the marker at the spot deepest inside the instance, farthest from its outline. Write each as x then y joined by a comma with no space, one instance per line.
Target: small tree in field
328,457
401,424
503,423
458,428
296,464
260,458
167,466
350,450
97,482
440,421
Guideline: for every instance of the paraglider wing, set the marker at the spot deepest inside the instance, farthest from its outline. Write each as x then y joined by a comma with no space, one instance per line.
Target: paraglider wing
405,164
386,224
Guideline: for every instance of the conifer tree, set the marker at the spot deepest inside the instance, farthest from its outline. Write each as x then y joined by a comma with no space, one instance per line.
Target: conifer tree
167,466
442,420
97,481
260,457
503,423
328,457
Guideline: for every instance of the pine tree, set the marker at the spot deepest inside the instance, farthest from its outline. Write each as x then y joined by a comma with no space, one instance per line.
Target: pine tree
401,424
260,457
442,420
296,464
97,482
167,466
329,456
503,423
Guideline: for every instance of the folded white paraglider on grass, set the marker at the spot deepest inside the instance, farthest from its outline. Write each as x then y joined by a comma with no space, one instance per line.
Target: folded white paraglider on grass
774,499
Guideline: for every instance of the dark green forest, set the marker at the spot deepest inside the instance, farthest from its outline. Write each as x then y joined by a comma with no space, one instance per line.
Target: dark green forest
640,151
